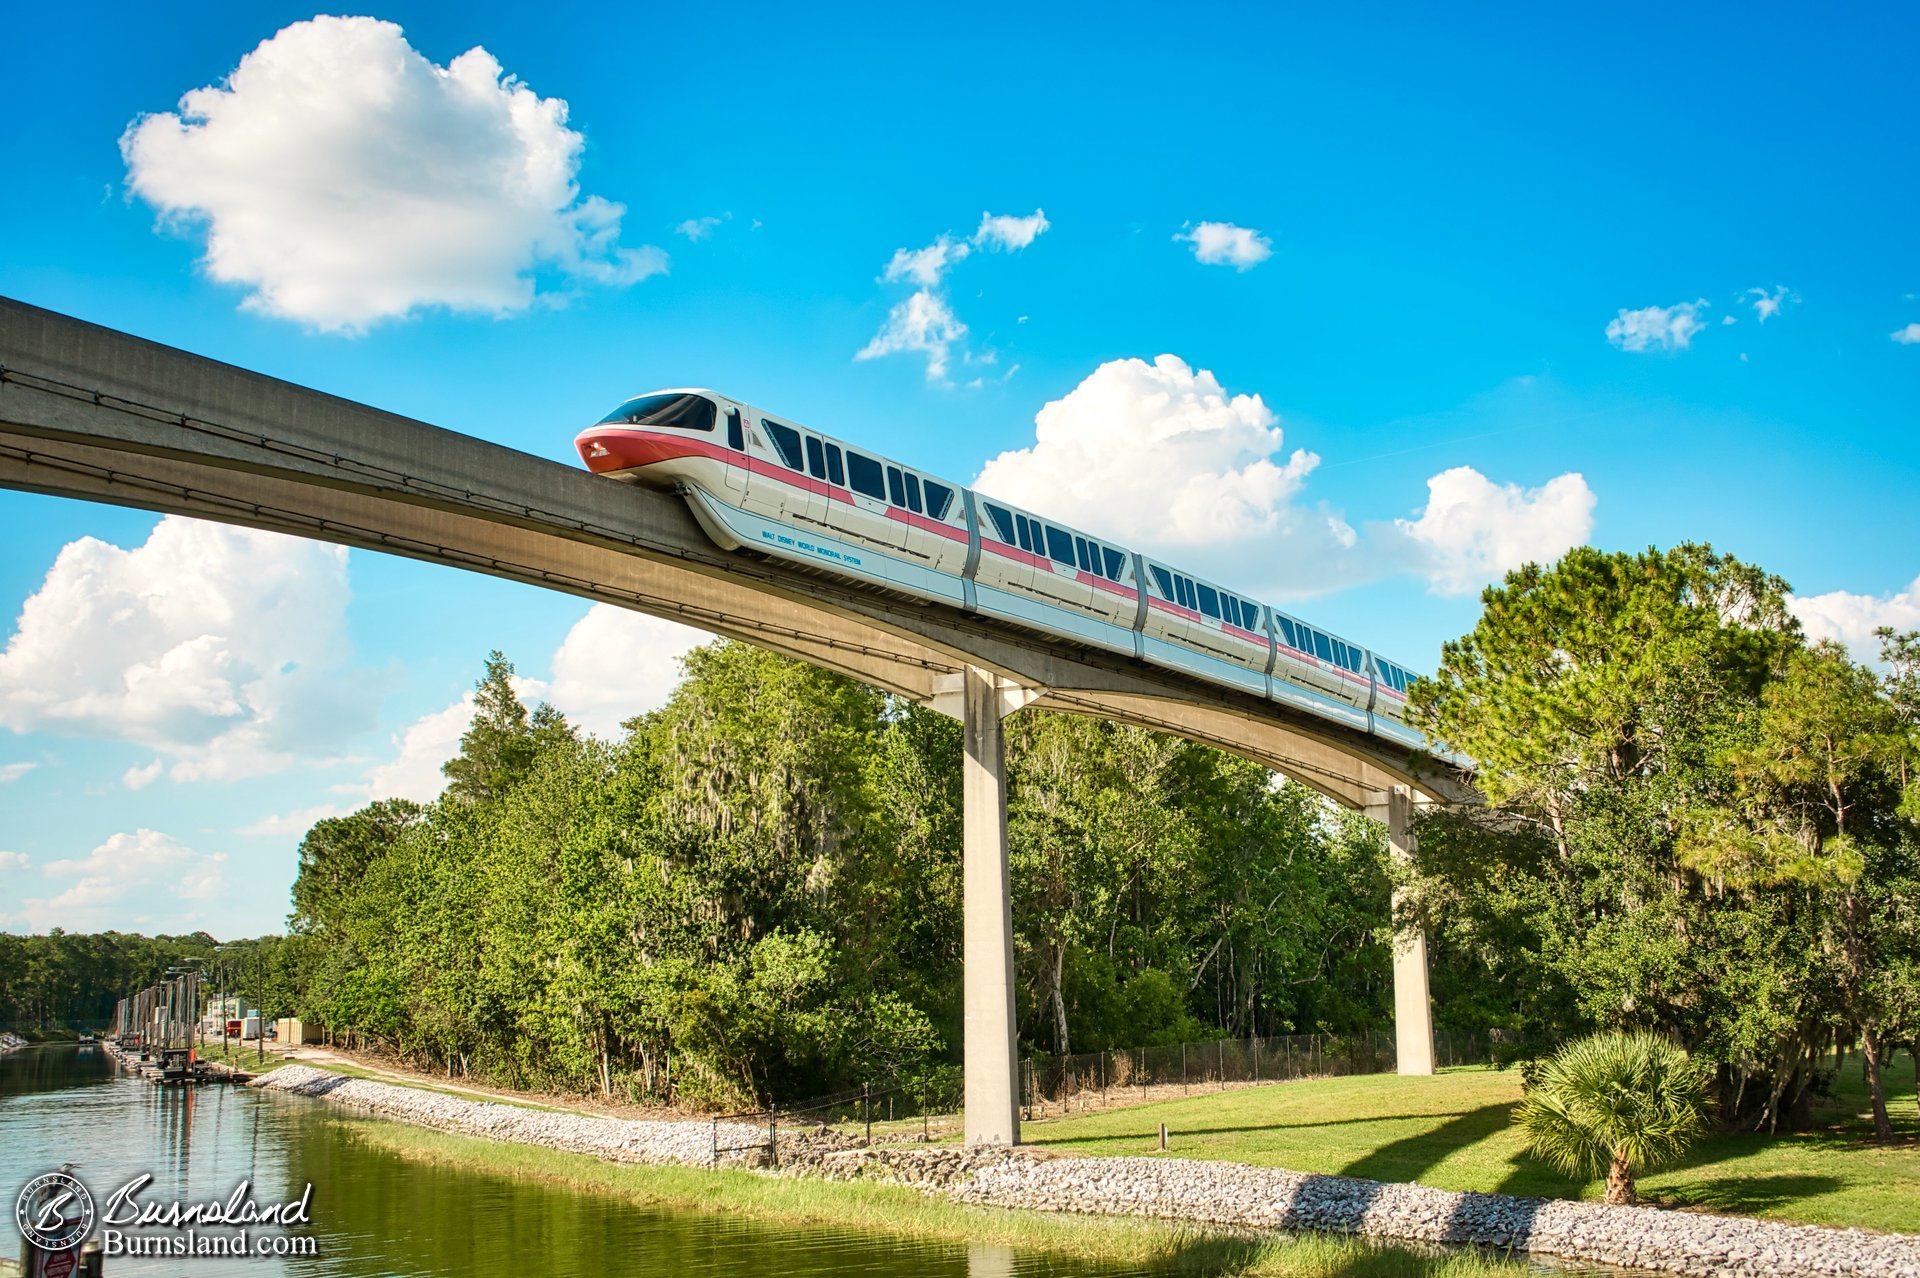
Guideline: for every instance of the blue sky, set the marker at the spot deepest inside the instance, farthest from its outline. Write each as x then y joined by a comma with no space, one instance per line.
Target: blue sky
1503,241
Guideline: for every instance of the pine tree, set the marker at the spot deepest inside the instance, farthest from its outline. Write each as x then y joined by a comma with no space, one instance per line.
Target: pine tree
498,746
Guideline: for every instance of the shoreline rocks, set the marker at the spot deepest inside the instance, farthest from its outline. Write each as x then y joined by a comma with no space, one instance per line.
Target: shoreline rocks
1229,1194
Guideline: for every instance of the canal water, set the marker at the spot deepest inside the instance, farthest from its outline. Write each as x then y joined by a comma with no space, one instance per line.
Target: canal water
377,1213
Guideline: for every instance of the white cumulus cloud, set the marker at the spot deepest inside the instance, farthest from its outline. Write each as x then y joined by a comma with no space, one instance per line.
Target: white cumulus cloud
217,648
1160,457
922,322
343,178
1767,302
1908,336
1008,233
1224,244
1851,619
700,228
615,664
1656,328
140,881
14,771
1474,531
925,266
13,860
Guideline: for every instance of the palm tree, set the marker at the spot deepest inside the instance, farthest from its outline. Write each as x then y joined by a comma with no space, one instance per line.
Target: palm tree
1622,1103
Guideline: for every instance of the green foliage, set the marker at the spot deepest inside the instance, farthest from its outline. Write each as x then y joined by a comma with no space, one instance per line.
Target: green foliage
1613,1103
498,746
1694,824
65,981
756,893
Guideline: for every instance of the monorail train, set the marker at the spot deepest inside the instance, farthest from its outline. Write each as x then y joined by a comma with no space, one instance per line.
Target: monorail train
758,483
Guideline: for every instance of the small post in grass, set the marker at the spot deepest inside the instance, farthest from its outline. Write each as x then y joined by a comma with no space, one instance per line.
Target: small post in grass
1163,1137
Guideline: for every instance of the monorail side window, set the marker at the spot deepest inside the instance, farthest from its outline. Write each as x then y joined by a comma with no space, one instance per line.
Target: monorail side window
1080,553
1002,522
1287,635
1184,592
1339,653
913,493
896,491
863,475
676,412
939,499
1116,563
1163,579
816,459
1210,602
1321,647
736,436
1060,545
836,474
1021,526
786,442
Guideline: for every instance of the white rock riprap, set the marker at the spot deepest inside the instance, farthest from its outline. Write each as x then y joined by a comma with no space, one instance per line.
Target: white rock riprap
1266,1198
1231,1194
625,1140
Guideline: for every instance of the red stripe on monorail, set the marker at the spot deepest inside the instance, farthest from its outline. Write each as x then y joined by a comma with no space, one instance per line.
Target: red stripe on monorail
1046,564
640,448
1331,667
643,448
924,524
1178,610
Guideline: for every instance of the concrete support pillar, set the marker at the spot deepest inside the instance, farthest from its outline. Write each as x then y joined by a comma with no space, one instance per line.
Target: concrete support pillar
992,1063
1412,1005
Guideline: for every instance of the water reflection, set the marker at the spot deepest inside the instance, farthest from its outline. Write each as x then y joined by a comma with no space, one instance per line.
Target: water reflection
376,1213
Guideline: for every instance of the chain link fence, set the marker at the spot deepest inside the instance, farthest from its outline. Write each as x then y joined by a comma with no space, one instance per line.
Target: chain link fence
1055,1084
920,1111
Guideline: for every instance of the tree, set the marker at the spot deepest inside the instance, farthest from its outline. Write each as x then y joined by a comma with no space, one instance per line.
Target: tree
1601,671
336,853
1816,814
1616,1103
499,744
1693,823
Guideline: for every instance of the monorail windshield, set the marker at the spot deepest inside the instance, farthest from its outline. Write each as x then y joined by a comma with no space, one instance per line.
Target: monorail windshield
676,412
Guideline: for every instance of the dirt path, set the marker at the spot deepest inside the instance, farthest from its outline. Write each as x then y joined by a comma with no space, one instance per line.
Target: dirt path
320,1056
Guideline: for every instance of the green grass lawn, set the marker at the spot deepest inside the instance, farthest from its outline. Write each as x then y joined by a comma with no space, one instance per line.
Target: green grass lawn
886,1209
243,1057
1455,1131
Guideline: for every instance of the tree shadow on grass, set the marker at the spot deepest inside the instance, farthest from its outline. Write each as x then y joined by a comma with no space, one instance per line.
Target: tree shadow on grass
1411,1157
1747,1195
1183,1130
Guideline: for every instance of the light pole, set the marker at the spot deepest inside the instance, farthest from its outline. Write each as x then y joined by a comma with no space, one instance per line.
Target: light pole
222,965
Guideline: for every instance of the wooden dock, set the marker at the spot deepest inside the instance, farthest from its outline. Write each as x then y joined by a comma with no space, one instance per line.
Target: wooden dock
173,1066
